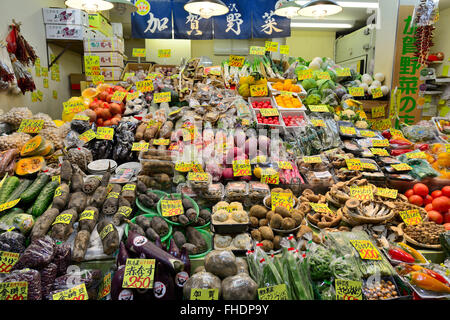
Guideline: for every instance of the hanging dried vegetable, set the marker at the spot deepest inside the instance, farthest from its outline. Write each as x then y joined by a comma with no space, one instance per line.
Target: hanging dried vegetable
18,46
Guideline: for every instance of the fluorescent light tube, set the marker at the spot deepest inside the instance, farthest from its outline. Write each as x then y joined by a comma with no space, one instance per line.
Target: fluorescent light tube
320,25
348,4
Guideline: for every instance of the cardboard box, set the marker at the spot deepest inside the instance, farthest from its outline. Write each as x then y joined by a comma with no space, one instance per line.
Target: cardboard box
110,73
98,22
117,29
135,67
104,45
108,59
368,105
65,32
65,16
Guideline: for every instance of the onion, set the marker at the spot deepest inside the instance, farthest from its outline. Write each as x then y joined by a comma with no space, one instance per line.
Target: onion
385,90
251,146
365,86
379,76
314,65
367,78
376,84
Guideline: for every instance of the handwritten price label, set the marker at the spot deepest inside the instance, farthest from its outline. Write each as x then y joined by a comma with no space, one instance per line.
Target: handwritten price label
144,86
344,72
163,97
9,205
241,168
348,289
73,107
377,93
284,49
271,46
63,218
181,166
361,193
396,133
356,91
354,164
237,61
367,133
140,146
133,95
125,211
161,142
196,167
139,52
379,152
56,178
285,165
171,208
366,249
31,126
76,293
378,112
411,217
323,75
369,166
348,130
204,294
106,230
319,108
7,261
269,112
259,90
58,192
257,51
380,143
198,176
104,133
118,96
128,75
269,177
87,215
317,122
387,193
98,79
164,53
278,292
401,167
416,155
282,199
14,290
320,207
105,287
81,117
92,65
305,74
312,159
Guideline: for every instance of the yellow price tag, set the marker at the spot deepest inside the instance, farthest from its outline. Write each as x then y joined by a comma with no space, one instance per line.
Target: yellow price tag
379,152
387,193
144,86
271,46
344,72
356,91
106,230
198,176
140,146
57,179
447,147
204,294
281,199
105,287
348,289
285,165
323,75
312,159
259,90
284,49
171,208
104,133
63,218
269,177
183,166
318,108
278,292
366,250
258,51
361,193
380,143
31,126
367,133
118,96
73,107
14,290
369,166
9,205
161,142
128,75
87,215
125,211
305,74
416,155
98,79
401,167
377,93
411,217
378,112
92,65
237,61
348,130
164,53
354,164
7,261
162,97
139,52
241,168
320,207
317,122
81,117
133,95
269,112
396,133
75,293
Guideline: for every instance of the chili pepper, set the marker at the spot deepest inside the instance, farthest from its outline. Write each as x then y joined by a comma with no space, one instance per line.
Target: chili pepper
399,142
416,254
397,152
431,273
400,255
424,281
386,134
423,146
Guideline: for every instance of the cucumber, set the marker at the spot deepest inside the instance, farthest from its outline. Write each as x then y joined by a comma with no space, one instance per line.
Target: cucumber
44,199
18,191
8,187
33,190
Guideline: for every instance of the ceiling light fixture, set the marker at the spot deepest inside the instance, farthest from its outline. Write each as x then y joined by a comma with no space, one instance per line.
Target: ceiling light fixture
321,25
90,6
349,4
320,8
206,8
122,7
288,9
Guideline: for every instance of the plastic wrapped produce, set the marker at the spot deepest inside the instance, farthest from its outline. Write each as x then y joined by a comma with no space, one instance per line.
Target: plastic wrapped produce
201,280
62,257
239,287
54,135
48,122
32,277
16,140
16,115
12,242
90,277
80,156
124,138
38,254
48,276
221,263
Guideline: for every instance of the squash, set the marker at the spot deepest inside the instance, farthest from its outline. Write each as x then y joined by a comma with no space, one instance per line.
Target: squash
33,146
31,165
48,149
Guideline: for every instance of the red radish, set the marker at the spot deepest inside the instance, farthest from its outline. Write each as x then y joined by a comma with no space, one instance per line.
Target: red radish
436,193
441,204
409,193
435,216
420,189
428,199
415,199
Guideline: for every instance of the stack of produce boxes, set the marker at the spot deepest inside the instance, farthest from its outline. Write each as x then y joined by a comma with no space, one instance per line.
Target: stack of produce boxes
65,24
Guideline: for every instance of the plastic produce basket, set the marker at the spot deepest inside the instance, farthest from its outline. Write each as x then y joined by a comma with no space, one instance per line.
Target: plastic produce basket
151,216
208,238
267,126
178,196
148,210
302,108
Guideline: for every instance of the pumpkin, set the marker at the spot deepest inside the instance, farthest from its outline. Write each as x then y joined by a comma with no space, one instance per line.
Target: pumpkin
33,146
48,149
31,165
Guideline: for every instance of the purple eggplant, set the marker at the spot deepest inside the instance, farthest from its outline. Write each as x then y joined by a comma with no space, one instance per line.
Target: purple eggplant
183,276
123,255
141,244
117,292
164,285
159,244
173,249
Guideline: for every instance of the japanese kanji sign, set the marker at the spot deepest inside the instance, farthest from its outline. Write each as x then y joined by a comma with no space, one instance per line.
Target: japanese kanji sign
188,25
266,24
139,273
236,24
348,290
152,20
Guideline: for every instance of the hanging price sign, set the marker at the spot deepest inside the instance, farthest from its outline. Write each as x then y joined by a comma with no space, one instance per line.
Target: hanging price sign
323,75
14,290
367,133
284,49
104,133
198,176
356,91
241,168
278,292
387,193
379,152
380,143
354,164
271,46
164,53
269,112
137,146
237,61
281,199
7,261
139,52
9,205
366,249
396,133
416,155
133,95
259,90
105,287
76,293
92,65
401,167
171,208
31,126
312,159
344,72
181,166
204,294
269,177
318,108
163,97
411,217
320,207
305,74
361,193
317,122
285,165
348,289
378,112
348,130
257,51
377,93
144,86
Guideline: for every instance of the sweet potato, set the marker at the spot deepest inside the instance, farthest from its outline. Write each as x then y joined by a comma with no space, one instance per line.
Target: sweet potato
144,222
60,201
80,246
77,201
179,238
43,223
140,132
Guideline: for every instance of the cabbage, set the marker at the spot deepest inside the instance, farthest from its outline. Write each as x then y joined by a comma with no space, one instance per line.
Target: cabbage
327,84
332,74
312,99
340,91
313,91
346,97
309,84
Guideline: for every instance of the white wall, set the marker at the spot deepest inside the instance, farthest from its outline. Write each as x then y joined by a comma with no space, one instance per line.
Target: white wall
29,12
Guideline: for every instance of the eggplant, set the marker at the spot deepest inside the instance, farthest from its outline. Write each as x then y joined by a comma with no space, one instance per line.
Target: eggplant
183,276
164,286
122,256
117,292
141,244
159,244
173,249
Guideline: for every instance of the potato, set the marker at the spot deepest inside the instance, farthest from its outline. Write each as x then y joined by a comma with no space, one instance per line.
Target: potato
283,212
267,245
254,222
276,221
256,235
263,222
276,242
288,224
269,215
258,211
222,263
266,233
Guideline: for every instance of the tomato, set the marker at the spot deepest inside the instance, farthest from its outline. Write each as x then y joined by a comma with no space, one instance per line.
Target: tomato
420,189
429,207
436,193
435,216
415,199
441,204
409,193
428,199
447,217
447,226
446,191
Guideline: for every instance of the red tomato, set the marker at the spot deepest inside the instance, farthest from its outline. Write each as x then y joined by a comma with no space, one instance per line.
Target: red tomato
447,217
436,193
435,216
441,204
429,207
409,193
447,226
415,199
428,199
446,191
420,189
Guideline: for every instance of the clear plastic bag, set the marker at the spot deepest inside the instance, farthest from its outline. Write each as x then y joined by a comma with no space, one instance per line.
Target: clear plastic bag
201,280
239,287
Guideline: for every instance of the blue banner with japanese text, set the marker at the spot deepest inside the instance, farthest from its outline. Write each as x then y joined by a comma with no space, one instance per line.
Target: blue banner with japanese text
266,24
153,20
237,23
188,25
